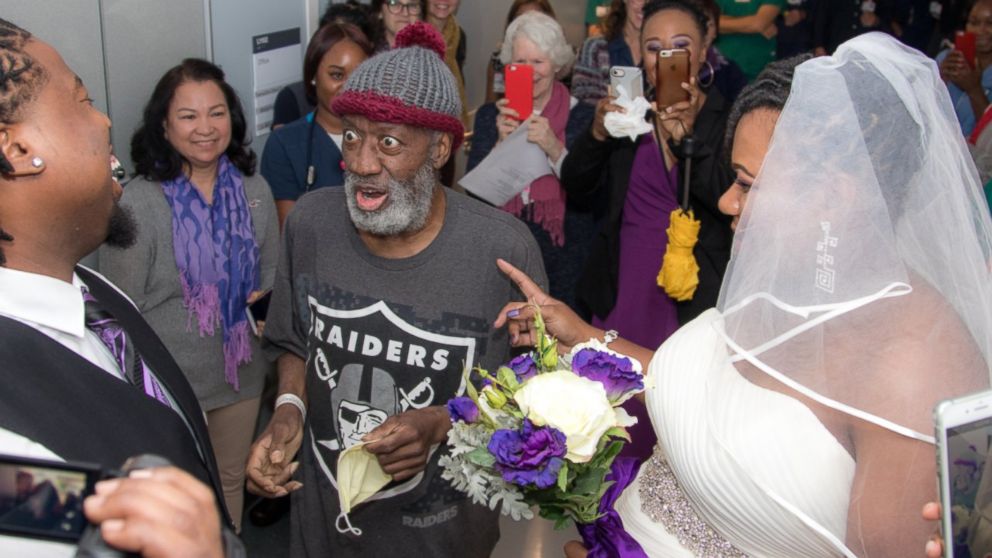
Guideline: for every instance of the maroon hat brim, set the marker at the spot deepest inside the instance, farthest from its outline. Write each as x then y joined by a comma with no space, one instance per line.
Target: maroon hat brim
380,108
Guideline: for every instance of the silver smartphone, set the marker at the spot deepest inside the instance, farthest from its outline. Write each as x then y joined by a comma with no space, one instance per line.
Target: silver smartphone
630,78
964,474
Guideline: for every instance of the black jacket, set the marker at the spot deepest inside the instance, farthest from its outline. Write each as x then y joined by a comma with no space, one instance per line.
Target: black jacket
592,165
57,398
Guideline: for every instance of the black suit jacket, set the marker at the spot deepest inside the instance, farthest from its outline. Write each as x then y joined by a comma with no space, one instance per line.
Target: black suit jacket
55,397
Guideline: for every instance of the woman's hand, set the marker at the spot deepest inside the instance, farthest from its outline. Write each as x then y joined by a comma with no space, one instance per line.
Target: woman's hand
791,18
559,319
507,120
676,121
255,295
603,107
539,131
869,20
955,69
935,546
574,549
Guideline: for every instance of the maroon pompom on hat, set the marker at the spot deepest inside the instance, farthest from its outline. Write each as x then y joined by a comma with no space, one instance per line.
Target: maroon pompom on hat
409,84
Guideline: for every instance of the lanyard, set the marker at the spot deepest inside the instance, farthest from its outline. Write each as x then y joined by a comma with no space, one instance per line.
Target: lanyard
311,170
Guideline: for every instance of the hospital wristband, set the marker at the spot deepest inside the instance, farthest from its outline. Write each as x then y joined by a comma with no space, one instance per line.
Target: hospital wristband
294,400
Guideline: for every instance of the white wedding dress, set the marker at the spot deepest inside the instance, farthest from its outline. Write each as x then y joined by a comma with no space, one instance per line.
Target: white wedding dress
777,484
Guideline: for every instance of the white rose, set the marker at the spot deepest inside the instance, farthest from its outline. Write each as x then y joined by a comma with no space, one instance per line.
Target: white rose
576,406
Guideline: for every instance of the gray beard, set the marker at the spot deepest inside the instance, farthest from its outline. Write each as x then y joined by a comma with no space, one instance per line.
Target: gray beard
406,210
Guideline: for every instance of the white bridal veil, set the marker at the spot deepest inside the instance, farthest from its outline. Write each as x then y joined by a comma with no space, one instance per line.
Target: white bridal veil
860,271
866,240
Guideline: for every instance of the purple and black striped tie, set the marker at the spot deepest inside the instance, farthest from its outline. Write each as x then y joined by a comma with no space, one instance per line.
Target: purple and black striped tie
105,326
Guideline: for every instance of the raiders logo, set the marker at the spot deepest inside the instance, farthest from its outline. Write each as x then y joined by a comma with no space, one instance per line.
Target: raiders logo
368,364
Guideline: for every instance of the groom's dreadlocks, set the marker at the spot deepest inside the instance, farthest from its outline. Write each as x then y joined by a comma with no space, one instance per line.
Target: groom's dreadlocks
20,80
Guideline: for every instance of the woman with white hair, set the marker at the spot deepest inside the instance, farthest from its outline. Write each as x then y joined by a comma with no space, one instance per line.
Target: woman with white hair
563,231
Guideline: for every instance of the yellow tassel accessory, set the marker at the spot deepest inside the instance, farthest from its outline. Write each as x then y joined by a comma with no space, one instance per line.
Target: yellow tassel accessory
679,273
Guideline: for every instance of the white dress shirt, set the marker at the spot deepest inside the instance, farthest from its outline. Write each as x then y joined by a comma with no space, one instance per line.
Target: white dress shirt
54,308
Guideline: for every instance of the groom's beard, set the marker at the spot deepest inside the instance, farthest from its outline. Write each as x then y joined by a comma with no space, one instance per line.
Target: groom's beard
122,230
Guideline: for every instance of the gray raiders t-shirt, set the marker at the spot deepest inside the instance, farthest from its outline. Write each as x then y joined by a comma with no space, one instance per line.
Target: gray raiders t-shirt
384,336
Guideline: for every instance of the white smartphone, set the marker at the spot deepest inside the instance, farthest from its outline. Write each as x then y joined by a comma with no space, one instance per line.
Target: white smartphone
964,474
630,78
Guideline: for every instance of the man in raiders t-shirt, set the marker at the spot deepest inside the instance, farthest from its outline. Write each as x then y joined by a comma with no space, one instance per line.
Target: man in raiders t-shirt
386,291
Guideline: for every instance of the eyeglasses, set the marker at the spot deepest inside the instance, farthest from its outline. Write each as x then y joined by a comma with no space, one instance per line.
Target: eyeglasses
395,7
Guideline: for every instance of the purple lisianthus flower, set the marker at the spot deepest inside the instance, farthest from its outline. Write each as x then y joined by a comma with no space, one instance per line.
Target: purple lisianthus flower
463,409
615,372
529,457
523,366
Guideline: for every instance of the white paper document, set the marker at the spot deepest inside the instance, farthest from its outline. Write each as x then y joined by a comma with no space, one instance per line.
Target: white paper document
508,169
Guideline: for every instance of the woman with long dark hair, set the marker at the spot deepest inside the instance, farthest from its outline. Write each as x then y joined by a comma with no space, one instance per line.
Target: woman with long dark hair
207,247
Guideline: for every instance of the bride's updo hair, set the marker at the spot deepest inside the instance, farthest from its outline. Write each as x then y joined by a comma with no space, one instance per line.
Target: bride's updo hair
769,91
896,154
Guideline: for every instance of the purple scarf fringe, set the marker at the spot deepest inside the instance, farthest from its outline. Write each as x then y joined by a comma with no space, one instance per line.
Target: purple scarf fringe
217,256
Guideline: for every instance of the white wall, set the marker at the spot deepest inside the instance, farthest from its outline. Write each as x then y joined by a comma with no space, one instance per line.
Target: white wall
120,52
142,39
233,23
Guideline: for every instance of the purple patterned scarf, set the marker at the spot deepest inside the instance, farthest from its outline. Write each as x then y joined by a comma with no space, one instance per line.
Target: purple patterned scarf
217,257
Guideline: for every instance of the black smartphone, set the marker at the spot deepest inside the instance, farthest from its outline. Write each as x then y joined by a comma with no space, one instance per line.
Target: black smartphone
43,499
258,310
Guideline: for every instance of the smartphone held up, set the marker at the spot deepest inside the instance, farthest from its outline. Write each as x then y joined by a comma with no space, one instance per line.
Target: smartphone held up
964,442
519,80
964,42
629,78
672,70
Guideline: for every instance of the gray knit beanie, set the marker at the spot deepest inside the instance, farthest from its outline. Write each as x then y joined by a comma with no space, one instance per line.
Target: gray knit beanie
409,84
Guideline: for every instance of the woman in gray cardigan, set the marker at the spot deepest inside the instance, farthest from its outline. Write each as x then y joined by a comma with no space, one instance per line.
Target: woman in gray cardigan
206,247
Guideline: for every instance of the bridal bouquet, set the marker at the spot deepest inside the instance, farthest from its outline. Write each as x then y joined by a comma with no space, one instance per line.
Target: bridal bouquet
543,430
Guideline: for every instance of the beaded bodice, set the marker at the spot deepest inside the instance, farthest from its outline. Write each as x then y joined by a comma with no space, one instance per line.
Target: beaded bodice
664,501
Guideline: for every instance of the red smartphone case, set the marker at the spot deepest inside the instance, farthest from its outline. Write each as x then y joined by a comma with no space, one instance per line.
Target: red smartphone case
519,79
964,41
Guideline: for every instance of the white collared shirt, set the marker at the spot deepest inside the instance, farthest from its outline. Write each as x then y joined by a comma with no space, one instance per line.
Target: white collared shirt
54,308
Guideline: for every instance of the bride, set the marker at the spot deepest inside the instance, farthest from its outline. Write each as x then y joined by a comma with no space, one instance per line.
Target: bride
794,419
